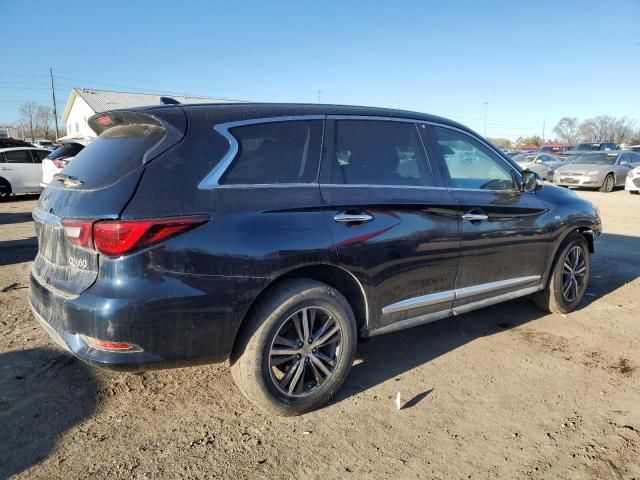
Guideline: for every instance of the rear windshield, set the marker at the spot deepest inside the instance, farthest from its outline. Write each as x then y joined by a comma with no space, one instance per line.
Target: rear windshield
117,151
66,150
587,146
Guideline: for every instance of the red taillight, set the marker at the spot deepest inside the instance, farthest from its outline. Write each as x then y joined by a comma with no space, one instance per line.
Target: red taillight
111,346
61,162
119,237
79,232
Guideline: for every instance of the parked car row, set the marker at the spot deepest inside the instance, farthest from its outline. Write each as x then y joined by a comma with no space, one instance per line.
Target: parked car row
30,169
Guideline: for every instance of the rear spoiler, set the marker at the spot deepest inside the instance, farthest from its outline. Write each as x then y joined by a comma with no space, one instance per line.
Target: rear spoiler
172,120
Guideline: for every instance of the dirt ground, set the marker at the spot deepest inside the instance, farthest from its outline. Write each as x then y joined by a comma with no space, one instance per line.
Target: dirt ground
506,392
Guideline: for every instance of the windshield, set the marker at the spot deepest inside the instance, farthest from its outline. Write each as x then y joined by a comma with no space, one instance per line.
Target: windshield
596,159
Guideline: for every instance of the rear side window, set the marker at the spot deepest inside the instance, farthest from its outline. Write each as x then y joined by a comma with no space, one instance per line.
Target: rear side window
66,150
278,152
117,151
375,152
18,156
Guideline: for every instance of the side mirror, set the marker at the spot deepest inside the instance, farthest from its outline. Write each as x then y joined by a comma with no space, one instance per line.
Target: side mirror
531,181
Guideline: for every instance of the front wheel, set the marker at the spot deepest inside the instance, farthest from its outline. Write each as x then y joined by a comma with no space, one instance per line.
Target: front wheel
569,278
609,184
297,348
634,192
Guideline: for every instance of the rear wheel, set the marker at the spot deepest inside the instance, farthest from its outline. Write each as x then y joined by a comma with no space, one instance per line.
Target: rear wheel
569,278
297,349
609,183
5,189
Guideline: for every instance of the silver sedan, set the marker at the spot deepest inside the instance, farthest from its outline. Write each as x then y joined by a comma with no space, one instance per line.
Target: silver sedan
602,170
541,163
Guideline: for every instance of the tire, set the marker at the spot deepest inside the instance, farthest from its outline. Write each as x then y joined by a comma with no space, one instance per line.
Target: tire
267,378
554,298
634,192
5,189
609,184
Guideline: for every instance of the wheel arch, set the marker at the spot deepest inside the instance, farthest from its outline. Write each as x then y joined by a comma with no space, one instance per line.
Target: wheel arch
339,278
585,231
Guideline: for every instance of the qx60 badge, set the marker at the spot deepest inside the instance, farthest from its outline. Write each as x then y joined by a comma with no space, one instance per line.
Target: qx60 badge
80,263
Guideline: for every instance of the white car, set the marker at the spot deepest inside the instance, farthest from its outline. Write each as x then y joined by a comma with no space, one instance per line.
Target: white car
20,170
42,143
632,184
58,159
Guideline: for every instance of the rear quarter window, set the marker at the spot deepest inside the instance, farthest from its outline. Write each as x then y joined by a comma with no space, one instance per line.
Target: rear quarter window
275,153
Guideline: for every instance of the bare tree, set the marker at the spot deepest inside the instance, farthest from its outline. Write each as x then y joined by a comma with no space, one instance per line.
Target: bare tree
567,130
44,118
28,111
604,128
501,142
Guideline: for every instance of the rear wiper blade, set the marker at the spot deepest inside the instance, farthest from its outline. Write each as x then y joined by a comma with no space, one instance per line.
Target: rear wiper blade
68,180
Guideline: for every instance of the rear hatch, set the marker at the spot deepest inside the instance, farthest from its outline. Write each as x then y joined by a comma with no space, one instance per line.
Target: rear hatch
97,185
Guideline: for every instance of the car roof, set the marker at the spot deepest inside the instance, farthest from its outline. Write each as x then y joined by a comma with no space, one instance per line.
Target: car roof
266,110
21,148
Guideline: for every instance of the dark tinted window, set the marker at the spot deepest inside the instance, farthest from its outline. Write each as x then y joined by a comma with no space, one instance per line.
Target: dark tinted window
39,155
371,152
116,152
278,152
471,165
18,156
66,150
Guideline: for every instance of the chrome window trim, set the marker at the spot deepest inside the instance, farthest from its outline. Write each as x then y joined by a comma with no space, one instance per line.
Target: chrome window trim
212,179
456,294
373,185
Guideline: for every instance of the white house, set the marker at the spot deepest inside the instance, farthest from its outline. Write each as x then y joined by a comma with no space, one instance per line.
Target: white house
85,102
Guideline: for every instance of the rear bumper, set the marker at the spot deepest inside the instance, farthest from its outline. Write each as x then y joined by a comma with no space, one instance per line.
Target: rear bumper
172,328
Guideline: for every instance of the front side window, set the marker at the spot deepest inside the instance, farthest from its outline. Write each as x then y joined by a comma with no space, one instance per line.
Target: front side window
278,152
375,152
18,156
471,165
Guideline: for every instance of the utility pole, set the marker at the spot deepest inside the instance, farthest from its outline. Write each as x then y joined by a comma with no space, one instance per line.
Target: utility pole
485,119
543,125
55,108
319,93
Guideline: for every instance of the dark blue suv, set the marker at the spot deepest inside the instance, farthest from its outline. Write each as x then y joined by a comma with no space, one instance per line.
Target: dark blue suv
276,236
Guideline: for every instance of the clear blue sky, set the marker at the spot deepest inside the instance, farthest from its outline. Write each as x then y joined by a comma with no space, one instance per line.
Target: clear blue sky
529,60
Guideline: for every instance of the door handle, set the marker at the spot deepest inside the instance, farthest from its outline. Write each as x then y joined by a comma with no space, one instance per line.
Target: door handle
352,217
475,217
